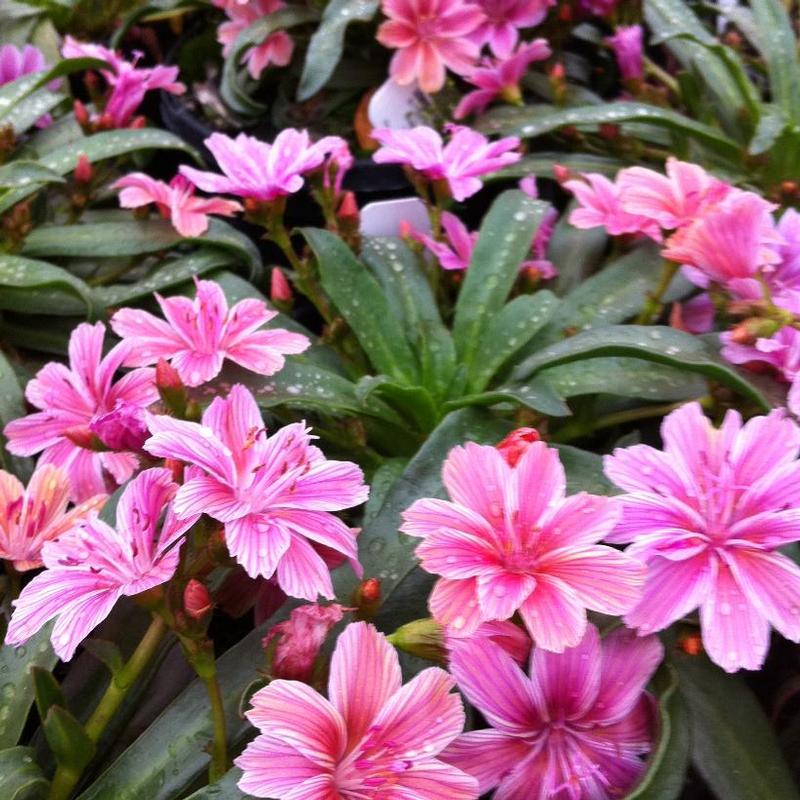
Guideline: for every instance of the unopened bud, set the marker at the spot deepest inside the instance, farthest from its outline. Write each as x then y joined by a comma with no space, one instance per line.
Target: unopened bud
175,468
138,123
196,599
280,290
367,598
789,187
81,114
557,72
561,173
512,94
83,169
423,638
608,131
516,443
691,644
748,331
106,122
348,208
82,436
171,388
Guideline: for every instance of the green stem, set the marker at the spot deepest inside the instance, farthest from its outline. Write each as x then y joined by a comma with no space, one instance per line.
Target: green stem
651,68
654,304
219,748
65,779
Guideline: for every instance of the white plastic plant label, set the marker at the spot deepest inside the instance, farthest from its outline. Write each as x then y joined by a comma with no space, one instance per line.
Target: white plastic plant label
395,106
383,217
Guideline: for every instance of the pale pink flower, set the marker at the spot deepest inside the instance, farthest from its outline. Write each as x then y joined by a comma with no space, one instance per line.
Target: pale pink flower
509,541
92,565
274,495
455,252
576,729
70,399
672,200
504,18
277,47
175,201
297,640
730,244
780,351
17,62
128,83
500,77
31,516
372,738
460,162
627,46
429,35
261,171
198,335
708,514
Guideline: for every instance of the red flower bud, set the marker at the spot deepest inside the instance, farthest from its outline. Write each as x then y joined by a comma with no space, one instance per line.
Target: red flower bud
83,169
82,436
370,590
691,644
81,113
516,443
167,376
196,599
561,173
138,123
348,208
280,290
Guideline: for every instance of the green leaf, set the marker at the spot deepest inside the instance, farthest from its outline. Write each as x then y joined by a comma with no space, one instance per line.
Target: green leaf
38,287
414,402
12,406
326,45
529,123
98,147
577,252
534,394
666,766
67,739
409,293
508,332
223,789
20,775
22,173
503,243
652,343
223,235
362,303
733,745
107,652
584,471
541,165
47,690
26,114
770,126
101,239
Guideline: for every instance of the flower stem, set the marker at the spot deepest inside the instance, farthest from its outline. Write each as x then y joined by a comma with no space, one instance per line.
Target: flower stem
219,748
654,304
66,778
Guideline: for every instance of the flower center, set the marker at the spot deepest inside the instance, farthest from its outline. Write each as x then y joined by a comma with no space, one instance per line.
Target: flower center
427,27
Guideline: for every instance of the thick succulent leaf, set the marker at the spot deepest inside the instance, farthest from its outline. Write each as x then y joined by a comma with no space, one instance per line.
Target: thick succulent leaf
20,775
363,304
37,287
27,113
734,747
652,343
67,739
326,45
584,471
47,691
503,244
223,789
541,165
413,402
771,125
22,173
535,394
12,406
576,252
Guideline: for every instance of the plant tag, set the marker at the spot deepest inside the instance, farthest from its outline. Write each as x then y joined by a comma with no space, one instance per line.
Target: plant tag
395,106
383,217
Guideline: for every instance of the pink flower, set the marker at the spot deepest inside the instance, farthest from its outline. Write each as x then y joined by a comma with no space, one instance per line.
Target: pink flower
707,515
429,36
92,565
513,639
781,351
576,729
730,244
503,20
500,78
599,7
601,207
298,640
258,170
539,266
372,738
72,398
510,540
455,252
785,280
274,495
176,201
460,162
277,47
672,200
627,46
17,62
30,517
128,83
122,428
198,335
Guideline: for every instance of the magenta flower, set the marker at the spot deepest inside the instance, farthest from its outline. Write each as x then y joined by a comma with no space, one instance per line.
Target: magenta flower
258,170
627,46
31,516
128,83
17,62
70,399
122,428
504,18
198,335
673,200
455,252
601,207
781,351
460,162
92,565
509,541
576,729
707,515
175,201
429,35
274,495
500,78
277,47
372,737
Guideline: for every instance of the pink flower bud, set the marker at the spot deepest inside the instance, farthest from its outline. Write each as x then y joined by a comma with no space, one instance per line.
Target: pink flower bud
298,640
81,113
83,169
122,428
82,436
516,443
196,599
167,377
348,208
280,290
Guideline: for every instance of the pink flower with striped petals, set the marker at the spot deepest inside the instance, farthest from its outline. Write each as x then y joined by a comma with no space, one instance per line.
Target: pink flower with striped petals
575,729
16,62
708,514
31,516
274,495
92,565
71,399
176,201
510,541
504,18
198,335
373,738
455,252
